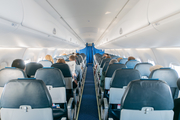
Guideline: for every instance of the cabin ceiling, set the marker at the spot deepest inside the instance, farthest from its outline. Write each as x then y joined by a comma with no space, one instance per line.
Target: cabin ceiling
88,18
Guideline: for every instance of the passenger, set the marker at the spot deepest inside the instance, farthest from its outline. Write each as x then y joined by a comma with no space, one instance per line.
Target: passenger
131,58
73,67
18,63
49,57
155,67
61,60
104,73
118,59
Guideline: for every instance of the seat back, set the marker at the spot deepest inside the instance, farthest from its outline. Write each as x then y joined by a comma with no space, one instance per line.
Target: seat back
54,80
123,61
147,100
120,79
26,100
66,73
143,68
109,72
9,73
168,75
103,61
131,63
31,68
105,66
46,63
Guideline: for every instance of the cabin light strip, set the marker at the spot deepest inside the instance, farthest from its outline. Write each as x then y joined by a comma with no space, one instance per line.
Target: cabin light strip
143,49
168,48
10,48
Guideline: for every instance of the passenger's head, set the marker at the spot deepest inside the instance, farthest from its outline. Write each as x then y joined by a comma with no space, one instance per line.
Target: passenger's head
73,53
105,55
72,58
131,58
152,68
77,53
113,61
118,59
60,60
18,63
64,54
108,56
49,57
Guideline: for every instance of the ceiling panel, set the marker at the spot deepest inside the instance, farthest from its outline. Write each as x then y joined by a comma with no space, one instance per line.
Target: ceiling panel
88,18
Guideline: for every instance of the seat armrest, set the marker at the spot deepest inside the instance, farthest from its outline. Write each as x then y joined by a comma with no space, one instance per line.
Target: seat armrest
106,105
69,105
70,109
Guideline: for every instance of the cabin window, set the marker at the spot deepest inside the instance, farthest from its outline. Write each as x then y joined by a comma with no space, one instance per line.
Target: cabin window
3,65
151,61
138,59
39,59
175,67
27,61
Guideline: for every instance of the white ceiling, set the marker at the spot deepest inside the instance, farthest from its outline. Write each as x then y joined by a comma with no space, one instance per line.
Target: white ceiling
88,18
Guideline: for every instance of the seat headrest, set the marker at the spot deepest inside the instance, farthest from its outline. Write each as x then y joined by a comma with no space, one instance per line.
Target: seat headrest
147,93
122,77
131,63
166,74
32,67
64,69
104,60
25,92
112,67
7,74
46,63
123,61
143,68
51,76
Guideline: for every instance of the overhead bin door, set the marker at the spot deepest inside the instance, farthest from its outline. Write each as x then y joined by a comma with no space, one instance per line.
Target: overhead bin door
11,10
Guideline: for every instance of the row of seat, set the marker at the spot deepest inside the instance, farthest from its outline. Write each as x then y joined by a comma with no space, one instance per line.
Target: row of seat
51,89
127,97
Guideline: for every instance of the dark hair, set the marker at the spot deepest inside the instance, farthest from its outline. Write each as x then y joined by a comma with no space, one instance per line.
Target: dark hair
72,57
18,63
77,53
131,58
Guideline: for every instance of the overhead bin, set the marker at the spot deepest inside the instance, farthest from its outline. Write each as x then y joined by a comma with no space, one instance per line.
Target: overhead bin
164,15
11,10
39,19
161,9
135,19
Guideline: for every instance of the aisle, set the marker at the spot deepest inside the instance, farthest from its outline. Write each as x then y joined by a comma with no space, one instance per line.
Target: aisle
88,108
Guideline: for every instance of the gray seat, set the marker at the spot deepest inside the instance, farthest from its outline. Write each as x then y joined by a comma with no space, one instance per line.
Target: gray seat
109,73
168,75
143,68
146,100
45,63
9,73
123,61
70,91
26,99
120,79
31,68
54,80
131,63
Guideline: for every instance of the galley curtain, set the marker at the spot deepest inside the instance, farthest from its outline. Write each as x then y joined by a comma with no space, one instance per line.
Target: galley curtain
90,50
